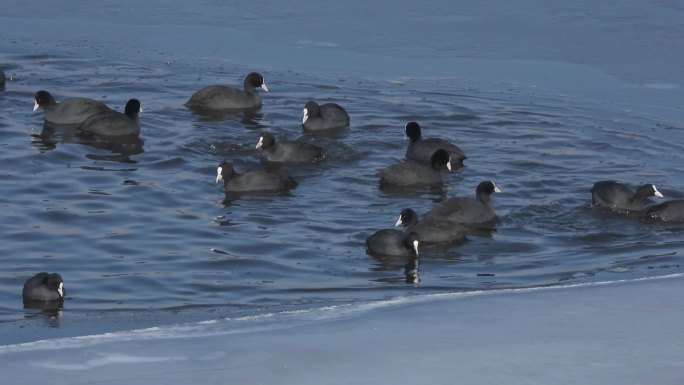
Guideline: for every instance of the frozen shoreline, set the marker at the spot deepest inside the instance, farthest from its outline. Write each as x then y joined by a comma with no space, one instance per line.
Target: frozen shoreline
624,333
612,333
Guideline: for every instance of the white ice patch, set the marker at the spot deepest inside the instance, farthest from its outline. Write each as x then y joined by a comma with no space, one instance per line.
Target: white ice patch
661,86
106,359
328,44
261,322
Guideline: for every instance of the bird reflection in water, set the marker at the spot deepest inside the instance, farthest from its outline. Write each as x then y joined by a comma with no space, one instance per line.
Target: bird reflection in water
250,118
50,311
411,270
120,148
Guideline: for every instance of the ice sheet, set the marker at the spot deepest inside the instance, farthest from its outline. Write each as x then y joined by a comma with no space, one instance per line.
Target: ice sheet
606,333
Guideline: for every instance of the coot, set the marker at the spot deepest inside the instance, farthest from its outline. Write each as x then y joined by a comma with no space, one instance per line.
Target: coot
44,287
69,111
412,173
253,180
114,123
468,211
431,230
422,149
668,211
391,242
219,97
286,151
617,196
326,116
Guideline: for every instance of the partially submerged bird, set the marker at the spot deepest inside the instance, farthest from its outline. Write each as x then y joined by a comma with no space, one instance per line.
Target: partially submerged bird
668,211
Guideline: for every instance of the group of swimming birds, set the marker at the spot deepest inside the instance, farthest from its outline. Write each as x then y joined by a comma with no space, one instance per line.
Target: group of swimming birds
449,221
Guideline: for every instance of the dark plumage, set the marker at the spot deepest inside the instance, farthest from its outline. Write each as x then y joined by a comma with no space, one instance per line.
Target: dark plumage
431,230
391,242
326,116
617,196
69,111
114,123
668,211
285,151
422,149
44,287
218,97
412,173
467,211
253,180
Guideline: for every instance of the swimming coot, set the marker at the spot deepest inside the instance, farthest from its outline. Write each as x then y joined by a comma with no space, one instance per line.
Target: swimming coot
468,211
617,196
391,242
252,180
286,151
219,97
668,211
422,149
413,173
44,287
326,116
69,111
431,230
114,123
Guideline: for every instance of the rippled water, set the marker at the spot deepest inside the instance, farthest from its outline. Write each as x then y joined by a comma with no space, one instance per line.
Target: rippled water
135,227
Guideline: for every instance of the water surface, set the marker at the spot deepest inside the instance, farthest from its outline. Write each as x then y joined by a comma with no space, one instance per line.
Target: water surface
143,236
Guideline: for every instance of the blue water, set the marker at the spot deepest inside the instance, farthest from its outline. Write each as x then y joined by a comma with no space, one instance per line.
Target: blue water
143,236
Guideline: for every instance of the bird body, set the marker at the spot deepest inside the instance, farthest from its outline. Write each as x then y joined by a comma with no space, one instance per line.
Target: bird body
327,116
394,243
285,151
253,180
465,210
114,123
44,287
421,150
412,173
221,97
70,111
617,196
